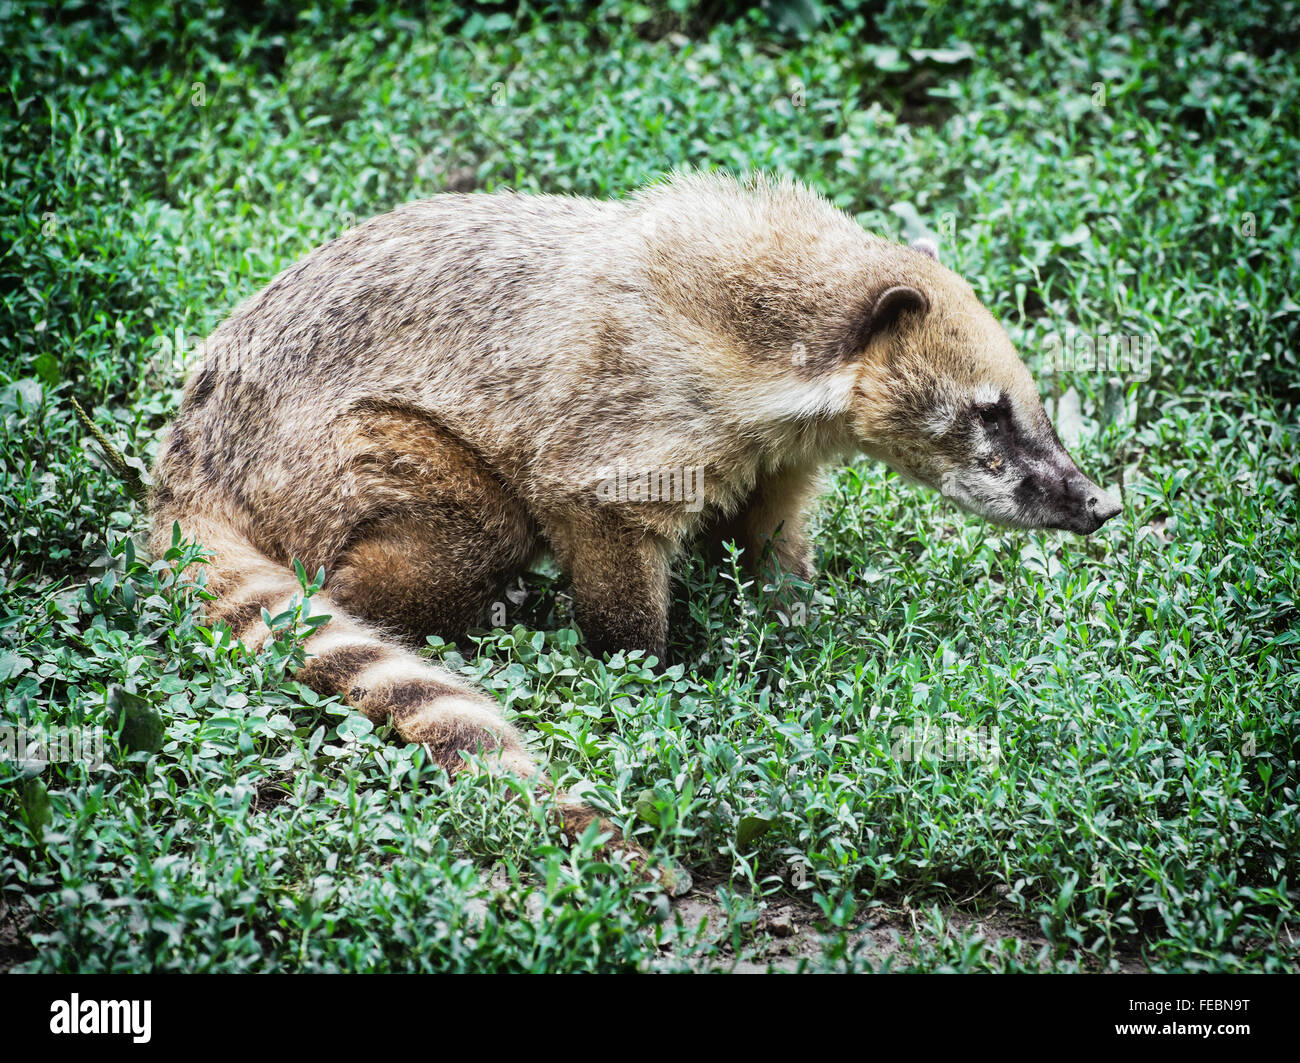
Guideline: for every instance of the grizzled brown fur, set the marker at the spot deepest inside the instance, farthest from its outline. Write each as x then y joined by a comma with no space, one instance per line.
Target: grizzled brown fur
429,402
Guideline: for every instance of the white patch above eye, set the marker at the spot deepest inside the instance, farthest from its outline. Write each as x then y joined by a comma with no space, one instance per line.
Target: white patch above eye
985,394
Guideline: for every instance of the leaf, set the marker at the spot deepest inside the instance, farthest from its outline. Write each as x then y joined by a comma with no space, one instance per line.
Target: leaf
1067,893
1069,419
645,808
46,366
913,227
12,665
142,727
354,726
885,58
750,829
959,53
797,16
676,880
1118,408
29,391
1075,237
36,803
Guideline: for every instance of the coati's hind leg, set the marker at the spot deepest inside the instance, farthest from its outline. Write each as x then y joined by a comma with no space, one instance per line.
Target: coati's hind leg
424,573
443,538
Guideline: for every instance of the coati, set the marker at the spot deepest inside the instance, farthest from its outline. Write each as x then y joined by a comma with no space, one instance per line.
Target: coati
427,403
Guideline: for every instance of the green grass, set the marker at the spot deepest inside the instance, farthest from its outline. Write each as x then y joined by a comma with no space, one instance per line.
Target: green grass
1095,169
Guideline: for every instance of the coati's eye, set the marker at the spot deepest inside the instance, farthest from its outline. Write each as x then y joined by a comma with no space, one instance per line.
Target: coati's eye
991,417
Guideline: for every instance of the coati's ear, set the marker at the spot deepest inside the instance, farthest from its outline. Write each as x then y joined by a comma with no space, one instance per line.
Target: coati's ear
880,314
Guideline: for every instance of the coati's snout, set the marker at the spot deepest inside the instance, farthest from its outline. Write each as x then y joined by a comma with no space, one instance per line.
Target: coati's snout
998,456
943,398
1007,464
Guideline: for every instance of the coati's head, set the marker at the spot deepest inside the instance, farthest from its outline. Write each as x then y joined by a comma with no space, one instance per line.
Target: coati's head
942,397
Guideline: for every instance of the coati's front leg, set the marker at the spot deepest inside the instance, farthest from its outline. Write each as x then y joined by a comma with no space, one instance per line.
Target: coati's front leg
771,526
620,578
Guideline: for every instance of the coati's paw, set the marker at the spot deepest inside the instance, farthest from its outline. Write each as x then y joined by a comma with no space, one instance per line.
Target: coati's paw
575,818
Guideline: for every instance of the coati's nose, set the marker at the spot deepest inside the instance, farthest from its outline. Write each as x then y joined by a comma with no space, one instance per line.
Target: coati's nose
1102,506
1086,507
